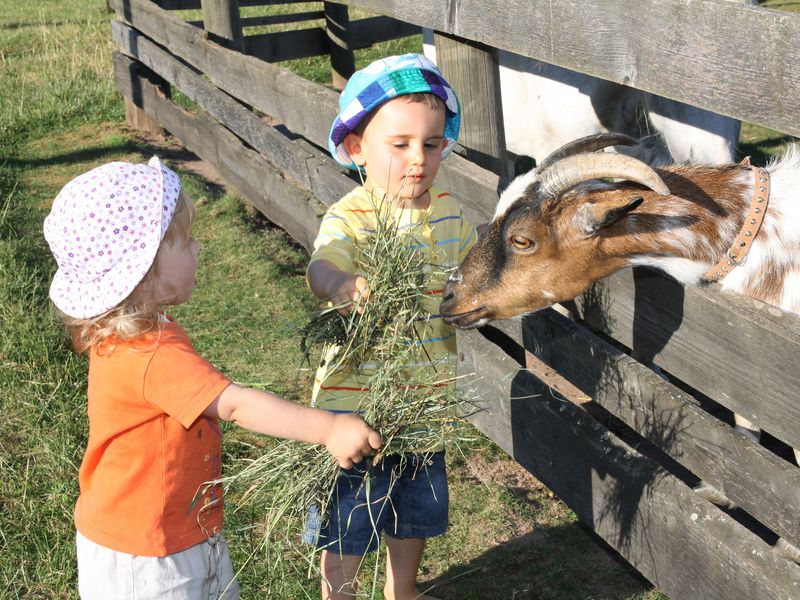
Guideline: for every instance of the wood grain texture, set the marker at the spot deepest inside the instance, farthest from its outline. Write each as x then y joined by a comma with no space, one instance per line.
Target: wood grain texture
755,479
743,353
684,545
472,71
726,57
221,21
261,183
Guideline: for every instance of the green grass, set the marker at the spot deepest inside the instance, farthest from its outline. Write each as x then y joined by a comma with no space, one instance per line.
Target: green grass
59,116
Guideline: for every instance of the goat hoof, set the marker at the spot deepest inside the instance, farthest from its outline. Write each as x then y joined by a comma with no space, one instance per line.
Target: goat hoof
786,550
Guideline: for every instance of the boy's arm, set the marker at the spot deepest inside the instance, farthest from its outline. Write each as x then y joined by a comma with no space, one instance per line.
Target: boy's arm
329,282
346,436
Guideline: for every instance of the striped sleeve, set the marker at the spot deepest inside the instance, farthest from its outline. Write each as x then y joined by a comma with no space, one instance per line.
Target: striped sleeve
335,241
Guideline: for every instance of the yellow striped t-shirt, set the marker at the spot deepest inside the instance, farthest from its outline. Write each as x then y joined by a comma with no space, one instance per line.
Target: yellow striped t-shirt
444,233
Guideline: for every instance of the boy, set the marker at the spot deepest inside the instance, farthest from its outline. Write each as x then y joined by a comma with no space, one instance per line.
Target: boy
399,118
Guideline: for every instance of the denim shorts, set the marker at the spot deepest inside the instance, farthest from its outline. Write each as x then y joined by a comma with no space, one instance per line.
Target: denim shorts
404,496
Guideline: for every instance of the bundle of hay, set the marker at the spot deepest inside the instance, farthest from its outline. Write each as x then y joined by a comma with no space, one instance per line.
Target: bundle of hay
412,415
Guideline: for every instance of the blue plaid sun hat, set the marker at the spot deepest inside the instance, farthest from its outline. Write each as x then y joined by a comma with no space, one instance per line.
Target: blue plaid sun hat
383,80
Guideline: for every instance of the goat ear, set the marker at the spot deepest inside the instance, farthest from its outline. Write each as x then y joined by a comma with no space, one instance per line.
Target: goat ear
590,218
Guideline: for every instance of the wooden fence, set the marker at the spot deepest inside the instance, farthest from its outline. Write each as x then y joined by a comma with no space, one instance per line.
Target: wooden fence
617,442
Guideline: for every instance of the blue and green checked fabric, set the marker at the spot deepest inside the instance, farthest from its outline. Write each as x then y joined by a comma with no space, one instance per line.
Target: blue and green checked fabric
383,80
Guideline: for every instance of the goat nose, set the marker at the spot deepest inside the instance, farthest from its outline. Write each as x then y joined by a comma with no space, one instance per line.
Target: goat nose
448,293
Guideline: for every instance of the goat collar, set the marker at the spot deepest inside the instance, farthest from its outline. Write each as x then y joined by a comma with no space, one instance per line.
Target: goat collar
750,228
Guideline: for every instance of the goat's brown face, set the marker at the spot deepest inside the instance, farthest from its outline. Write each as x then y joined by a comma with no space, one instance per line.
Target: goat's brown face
531,257
544,244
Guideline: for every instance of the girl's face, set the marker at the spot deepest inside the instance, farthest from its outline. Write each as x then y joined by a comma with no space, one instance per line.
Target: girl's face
401,150
175,280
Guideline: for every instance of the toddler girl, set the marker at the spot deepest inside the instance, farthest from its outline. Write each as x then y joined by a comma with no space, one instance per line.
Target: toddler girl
146,526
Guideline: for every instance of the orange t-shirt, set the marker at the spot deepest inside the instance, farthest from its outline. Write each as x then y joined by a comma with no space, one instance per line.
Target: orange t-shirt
150,447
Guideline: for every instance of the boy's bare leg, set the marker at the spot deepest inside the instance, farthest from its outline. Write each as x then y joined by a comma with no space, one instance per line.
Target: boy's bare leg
338,575
403,556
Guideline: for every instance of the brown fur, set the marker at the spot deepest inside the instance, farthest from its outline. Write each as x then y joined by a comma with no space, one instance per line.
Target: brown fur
566,260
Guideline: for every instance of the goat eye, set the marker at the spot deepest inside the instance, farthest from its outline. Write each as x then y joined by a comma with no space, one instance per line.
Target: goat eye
521,242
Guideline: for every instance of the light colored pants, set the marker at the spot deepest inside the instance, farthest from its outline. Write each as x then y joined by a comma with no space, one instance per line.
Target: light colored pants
203,571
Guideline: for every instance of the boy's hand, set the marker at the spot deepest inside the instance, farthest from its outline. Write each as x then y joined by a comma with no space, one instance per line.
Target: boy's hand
350,439
352,291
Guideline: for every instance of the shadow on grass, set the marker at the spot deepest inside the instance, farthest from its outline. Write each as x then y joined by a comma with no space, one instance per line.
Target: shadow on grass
762,151
549,563
167,151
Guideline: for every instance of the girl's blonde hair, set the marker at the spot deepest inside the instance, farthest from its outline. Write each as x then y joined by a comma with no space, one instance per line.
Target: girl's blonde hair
139,313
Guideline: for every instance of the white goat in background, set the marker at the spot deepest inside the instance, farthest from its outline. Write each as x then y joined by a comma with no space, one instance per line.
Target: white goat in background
545,107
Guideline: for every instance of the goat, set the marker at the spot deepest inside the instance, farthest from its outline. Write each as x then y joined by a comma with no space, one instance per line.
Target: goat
558,229
562,227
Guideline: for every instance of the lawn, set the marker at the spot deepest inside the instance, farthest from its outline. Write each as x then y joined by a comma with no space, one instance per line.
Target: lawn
59,116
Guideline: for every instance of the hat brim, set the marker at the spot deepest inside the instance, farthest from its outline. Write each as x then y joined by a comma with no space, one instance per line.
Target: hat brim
384,87
85,300
88,299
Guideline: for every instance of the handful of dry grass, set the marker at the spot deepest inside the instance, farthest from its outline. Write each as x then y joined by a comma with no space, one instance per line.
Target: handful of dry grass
397,276
411,412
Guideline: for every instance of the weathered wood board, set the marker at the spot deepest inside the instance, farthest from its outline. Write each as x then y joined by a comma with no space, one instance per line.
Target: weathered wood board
286,204
683,544
742,353
755,479
685,50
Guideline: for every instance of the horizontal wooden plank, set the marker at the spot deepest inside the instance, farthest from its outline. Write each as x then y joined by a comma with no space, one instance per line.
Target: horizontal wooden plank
304,107
684,545
686,50
288,205
287,45
755,479
372,30
269,20
303,163
740,352
277,46
195,4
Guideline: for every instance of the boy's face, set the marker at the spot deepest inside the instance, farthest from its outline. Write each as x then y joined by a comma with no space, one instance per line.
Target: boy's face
400,149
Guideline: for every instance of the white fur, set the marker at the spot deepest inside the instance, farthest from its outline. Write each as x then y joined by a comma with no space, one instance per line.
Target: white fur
514,191
546,106
778,242
687,272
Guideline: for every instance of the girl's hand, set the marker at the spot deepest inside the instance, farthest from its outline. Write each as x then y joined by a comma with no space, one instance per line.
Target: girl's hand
350,439
352,291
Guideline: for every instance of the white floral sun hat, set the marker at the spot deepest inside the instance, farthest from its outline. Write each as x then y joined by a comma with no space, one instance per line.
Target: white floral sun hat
104,230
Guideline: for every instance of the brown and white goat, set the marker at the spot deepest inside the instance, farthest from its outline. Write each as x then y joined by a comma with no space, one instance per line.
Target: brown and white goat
562,227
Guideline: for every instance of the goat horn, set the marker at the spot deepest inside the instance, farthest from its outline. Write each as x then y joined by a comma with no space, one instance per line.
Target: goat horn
590,143
573,170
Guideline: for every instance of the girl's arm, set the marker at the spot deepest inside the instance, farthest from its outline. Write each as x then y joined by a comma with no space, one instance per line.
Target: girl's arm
346,436
329,282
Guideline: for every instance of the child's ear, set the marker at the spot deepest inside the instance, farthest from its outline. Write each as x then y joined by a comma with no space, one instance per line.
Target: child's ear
352,144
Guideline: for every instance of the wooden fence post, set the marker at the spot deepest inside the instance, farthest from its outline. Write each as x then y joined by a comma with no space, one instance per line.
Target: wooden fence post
472,69
337,25
221,21
135,116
